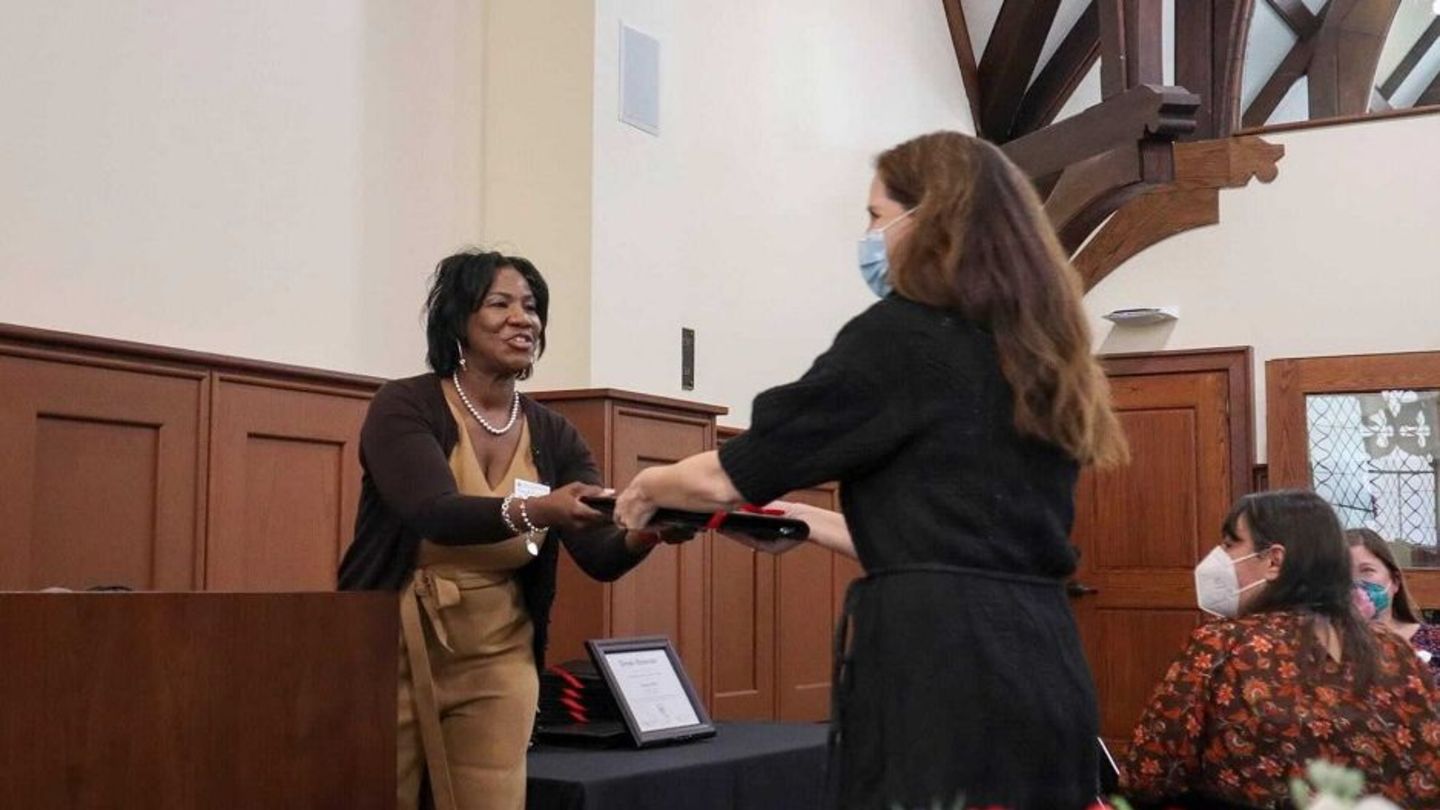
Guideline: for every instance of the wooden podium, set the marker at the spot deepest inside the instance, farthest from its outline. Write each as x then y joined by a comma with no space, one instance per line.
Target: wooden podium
197,700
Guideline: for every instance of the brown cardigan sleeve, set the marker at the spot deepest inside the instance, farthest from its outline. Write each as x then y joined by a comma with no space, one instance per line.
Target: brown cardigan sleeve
600,552
403,455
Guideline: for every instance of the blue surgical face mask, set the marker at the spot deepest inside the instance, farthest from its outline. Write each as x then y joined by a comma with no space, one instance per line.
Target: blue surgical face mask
1379,596
874,262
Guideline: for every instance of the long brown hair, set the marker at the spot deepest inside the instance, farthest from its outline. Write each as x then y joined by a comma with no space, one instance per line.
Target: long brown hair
982,246
1403,606
1315,577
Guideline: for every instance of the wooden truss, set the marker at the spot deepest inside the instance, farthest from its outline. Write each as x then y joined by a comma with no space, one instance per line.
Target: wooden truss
1148,161
1339,50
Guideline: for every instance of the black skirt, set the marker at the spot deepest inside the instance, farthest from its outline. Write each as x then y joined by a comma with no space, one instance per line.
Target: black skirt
962,688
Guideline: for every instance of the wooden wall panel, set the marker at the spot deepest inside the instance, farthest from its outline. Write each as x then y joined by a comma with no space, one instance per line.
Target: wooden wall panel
742,631
198,700
102,475
805,620
667,593
1163,445
285,484
582,606
1125,679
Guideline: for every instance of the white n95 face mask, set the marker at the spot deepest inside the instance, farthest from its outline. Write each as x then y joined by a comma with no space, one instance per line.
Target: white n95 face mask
1217,586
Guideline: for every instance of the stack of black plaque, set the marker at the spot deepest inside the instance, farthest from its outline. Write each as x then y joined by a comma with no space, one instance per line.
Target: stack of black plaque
576,706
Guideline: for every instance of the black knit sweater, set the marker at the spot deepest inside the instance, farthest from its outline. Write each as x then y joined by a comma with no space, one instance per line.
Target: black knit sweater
910,412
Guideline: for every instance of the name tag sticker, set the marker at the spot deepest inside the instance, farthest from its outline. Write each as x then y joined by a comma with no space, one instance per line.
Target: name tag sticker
529,489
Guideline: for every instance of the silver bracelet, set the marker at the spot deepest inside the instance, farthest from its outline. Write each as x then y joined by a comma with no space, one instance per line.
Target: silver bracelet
525,518
505,513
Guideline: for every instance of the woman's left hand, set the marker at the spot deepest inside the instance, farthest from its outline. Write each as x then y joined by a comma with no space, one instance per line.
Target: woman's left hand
634,507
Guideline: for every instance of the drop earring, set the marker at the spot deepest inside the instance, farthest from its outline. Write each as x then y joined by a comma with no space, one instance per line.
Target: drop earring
460,350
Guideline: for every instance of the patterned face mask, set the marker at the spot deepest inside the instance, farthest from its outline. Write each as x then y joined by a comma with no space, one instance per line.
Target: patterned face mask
1377,594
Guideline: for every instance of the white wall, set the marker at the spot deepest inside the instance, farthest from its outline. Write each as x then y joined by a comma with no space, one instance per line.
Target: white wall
266,179
1337,256
740,219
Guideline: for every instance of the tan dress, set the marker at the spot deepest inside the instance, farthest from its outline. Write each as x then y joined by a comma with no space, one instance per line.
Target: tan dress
475,689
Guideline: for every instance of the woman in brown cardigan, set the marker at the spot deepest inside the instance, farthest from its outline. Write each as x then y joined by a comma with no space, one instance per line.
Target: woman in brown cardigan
469,489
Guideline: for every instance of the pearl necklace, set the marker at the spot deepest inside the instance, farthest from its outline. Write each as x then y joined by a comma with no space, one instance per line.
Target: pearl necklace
475,412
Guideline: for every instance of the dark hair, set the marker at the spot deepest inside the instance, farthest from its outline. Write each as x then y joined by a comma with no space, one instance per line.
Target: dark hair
1403,606
1315,576
456,290
982,246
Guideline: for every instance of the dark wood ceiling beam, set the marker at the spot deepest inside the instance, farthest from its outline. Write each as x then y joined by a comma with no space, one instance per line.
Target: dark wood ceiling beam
1161,113
1210,42
1430,96
1347,54
1297,16
1130,45
1412,58
1192,201
1289,71
1057,81
1009,61
1092,190
1112,47
965,59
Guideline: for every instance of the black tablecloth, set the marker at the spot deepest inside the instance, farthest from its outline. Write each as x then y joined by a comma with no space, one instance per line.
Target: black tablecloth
745,766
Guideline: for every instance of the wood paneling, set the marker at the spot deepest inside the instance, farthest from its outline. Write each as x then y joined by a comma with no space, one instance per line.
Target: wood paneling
159,468
1288,381
198,700
285,485
807,604
1129,651
102,477
1142,528
667,594
582,605
742,631
1164,442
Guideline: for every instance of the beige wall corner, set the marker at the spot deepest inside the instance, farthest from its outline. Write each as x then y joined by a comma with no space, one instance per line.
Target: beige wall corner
536,175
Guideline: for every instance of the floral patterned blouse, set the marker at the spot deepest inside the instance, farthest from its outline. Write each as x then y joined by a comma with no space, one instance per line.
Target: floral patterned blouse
1427,639
1238,715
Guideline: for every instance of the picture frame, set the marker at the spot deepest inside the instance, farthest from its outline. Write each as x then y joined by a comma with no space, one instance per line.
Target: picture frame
657,700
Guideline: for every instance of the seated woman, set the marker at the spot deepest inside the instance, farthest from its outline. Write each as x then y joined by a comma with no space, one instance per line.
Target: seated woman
1388,602
1292,674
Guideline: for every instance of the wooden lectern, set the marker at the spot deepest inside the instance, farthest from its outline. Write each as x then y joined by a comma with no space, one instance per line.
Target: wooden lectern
197,700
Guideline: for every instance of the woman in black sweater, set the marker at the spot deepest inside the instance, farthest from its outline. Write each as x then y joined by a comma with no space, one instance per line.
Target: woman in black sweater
955,413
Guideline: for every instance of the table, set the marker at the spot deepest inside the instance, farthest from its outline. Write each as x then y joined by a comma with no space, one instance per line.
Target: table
745,766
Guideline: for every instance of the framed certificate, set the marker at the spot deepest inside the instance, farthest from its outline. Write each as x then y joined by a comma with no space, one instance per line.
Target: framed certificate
656,698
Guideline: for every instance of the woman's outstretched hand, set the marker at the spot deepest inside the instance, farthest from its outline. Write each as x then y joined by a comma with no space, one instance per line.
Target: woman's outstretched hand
635,507
563,509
